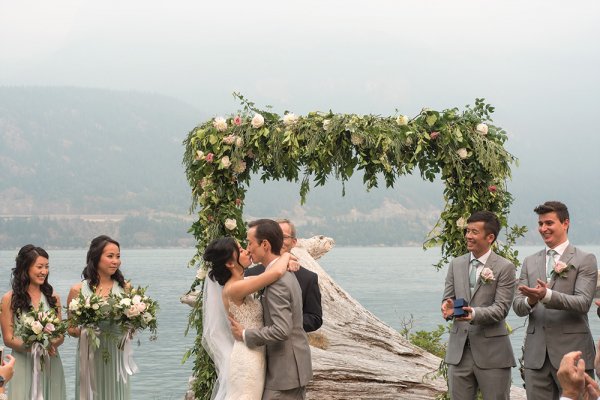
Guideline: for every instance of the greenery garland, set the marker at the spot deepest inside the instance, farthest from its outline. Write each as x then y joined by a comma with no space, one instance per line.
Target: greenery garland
461,148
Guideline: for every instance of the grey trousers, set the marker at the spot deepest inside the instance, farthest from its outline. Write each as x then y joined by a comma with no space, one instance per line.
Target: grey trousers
292,394
465,378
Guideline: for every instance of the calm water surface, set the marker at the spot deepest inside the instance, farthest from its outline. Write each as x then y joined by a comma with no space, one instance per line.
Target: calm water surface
394,283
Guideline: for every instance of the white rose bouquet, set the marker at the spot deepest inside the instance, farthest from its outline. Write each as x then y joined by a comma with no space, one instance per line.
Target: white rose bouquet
87,313
134,311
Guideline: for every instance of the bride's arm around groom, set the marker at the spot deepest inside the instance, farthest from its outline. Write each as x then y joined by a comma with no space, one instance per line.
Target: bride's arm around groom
289,366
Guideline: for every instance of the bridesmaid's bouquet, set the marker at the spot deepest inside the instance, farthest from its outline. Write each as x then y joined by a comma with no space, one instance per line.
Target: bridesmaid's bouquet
37,328
87,313
134,311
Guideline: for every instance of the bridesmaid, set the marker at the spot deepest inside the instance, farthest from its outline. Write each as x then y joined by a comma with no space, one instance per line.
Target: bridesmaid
30,289
103,277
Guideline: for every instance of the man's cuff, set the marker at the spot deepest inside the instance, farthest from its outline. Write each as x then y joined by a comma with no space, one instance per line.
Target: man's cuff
244,336
547,296
472,313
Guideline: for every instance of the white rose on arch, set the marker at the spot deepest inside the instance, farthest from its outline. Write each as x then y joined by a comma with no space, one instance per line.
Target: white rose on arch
290,119
226,161
230,224
220,124
482,129
201,274
462,153
461,223
257,121
402,120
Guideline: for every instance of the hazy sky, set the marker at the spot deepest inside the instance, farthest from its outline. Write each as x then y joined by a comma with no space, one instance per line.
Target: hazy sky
536,61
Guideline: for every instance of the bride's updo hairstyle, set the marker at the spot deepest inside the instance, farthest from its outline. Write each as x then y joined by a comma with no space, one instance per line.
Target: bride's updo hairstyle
217,254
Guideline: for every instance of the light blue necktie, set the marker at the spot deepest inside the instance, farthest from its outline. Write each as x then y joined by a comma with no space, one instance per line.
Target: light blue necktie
551,263
473,273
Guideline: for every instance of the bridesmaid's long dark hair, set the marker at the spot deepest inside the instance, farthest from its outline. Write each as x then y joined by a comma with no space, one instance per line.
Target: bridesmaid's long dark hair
90,272
21,301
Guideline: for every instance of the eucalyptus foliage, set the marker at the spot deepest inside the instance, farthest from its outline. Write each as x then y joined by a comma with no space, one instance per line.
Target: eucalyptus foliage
462,148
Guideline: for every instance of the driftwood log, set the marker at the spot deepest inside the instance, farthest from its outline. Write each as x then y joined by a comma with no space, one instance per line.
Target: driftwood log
357,356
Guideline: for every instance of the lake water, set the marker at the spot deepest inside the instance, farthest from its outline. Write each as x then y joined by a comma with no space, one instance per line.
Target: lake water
393,283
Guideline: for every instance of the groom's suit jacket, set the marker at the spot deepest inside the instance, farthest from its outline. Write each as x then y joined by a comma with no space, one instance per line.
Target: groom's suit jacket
288,353
561,325
311,295
487,332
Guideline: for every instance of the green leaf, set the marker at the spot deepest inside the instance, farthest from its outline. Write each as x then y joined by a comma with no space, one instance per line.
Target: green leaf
431,119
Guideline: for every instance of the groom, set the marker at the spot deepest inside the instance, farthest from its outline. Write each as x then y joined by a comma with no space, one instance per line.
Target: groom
289,367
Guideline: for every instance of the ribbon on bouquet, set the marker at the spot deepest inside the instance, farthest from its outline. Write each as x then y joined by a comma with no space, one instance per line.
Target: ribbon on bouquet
39,354
87,368
125,364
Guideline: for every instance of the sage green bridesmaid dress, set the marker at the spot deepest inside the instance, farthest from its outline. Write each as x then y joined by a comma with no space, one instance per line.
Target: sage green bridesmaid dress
108,387
52,376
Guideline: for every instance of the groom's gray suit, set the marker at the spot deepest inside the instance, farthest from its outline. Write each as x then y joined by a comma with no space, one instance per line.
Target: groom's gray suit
560,325
486,336
288,353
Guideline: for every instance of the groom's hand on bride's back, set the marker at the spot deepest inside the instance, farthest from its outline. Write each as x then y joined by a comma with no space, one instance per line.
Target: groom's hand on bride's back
237,329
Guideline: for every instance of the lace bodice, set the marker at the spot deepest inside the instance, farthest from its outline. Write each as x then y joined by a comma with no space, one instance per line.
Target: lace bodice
249,313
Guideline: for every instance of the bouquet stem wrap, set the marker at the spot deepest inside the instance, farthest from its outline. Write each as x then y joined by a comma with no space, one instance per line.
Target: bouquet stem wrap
125,365
87,367
39,354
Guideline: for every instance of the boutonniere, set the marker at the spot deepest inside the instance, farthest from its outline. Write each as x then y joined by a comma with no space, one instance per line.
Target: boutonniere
560,269
487,276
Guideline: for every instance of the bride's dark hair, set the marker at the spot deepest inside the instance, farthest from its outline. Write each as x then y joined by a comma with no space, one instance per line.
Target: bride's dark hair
217,254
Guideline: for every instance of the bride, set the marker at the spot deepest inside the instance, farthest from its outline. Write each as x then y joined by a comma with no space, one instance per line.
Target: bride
240,370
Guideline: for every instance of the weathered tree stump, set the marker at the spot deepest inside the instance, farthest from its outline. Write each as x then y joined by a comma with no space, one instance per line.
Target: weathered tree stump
357,356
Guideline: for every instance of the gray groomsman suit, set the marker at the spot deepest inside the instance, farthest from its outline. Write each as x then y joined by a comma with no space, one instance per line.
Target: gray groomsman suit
479,352
288,353
560,325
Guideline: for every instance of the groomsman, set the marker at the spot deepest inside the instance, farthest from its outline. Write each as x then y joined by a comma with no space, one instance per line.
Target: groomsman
555,291
479,354
312,313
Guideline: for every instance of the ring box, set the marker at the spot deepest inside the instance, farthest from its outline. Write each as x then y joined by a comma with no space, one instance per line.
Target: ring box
458,305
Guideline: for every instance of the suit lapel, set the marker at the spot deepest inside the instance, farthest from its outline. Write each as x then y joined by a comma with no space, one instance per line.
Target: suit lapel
491,261
567,255
540,268
465,276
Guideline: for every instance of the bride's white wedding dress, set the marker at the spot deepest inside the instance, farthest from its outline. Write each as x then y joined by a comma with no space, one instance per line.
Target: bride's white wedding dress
246,366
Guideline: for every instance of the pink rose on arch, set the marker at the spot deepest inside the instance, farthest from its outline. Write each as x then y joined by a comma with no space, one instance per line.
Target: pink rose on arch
487,275
237,120
492,188
210,157
238,202
434,135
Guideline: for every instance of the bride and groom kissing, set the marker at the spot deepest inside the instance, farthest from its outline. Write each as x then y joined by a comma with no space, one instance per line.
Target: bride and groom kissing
259,346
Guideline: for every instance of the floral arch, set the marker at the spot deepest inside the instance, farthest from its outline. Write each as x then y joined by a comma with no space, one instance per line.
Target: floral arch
460,147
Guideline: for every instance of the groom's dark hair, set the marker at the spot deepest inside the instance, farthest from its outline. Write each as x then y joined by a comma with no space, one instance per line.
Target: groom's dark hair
269,230
491,224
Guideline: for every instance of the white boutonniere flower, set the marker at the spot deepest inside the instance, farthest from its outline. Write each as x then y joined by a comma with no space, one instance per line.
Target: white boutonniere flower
487,275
